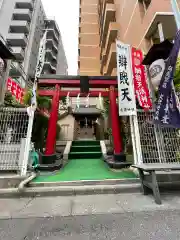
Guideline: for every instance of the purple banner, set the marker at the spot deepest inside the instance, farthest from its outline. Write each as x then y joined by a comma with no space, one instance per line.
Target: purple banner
167,111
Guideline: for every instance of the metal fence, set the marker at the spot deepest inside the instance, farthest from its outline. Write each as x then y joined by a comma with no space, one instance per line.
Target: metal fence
158,144
13,132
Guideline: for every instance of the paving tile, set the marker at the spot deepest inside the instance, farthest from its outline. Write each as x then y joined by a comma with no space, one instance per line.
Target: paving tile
11,207
84,205
139,202
45,207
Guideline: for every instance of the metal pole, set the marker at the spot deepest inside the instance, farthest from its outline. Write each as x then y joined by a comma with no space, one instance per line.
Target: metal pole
175,9
135,155
161,33
27,143
135,128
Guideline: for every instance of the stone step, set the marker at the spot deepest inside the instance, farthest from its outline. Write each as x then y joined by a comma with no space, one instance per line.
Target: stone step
85,155
87,148
85,143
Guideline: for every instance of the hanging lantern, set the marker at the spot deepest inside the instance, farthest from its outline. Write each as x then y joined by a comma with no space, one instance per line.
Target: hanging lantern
156,70
2,65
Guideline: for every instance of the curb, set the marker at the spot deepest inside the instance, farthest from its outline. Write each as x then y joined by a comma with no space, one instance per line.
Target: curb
70,190
86,182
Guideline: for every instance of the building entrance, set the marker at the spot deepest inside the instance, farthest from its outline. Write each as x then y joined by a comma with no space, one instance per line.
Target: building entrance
85,129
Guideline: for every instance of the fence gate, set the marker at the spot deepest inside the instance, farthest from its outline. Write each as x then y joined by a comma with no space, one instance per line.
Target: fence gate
156,144
13,129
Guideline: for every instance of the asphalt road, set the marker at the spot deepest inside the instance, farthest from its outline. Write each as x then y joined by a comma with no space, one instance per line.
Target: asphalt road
121,217
158,225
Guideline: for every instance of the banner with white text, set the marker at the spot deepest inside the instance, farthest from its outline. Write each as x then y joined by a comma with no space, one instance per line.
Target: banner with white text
140,81
127,101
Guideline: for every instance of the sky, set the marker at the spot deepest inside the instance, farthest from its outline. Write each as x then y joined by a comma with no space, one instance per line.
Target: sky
66,13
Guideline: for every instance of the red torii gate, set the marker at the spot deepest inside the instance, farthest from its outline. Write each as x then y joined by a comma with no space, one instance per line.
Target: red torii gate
74,82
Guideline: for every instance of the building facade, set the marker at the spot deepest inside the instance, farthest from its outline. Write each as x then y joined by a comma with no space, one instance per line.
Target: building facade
89,38
24,24
55,59
23,29
139,23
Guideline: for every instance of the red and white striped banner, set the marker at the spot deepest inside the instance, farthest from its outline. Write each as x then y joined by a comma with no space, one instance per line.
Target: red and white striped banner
140,83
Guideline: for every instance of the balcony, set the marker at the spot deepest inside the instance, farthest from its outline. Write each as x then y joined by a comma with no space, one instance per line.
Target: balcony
19,26
22,14
50,55
109,16
16,70
52,34
168,24
25,4
48,65
102,8
79,62
51,43
18,53
17,39
51,24
111,37
111,61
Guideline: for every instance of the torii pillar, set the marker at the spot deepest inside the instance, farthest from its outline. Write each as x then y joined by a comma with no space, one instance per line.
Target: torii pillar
119,155
50,151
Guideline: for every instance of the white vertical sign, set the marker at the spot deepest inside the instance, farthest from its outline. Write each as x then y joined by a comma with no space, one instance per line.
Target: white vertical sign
39,67
127,101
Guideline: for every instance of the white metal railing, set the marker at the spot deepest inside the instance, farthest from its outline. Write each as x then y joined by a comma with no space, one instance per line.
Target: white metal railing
158,144
14,124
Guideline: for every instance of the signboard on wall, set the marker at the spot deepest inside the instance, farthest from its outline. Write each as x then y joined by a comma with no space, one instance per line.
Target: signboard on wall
15,90
127,101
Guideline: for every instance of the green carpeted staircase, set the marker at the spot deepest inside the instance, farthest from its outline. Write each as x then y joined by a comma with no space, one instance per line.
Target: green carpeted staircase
86,149
85,163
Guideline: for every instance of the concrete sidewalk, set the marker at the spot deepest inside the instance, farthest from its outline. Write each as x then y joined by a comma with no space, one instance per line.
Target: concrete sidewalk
84,205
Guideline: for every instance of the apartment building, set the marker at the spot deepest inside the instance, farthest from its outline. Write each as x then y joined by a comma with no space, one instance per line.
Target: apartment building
89,38
139,23
23,28
24,23
55,59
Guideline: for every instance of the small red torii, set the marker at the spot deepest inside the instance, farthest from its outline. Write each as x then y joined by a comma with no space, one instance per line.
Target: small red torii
59,82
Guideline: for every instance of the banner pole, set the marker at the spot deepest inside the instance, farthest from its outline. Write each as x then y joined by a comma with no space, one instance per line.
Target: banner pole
176,12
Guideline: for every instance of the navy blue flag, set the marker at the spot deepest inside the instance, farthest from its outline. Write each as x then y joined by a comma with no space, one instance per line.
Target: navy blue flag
167,111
